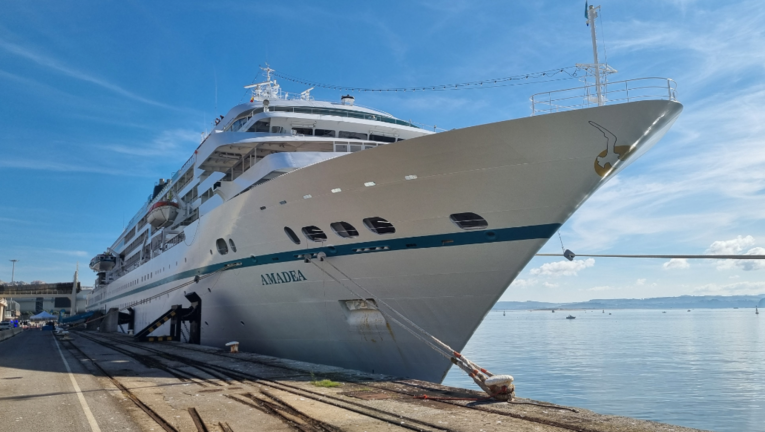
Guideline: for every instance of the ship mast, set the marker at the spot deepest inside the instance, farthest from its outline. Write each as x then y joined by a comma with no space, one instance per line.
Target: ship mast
597,69
592,13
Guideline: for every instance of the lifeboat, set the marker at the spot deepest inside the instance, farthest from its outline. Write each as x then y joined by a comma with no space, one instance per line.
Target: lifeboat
162,213
103,263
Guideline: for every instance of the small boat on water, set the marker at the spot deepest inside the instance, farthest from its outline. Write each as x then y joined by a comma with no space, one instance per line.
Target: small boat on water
756,311
570,317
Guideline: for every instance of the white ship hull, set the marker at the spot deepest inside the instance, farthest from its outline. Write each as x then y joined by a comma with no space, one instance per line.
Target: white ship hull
525,177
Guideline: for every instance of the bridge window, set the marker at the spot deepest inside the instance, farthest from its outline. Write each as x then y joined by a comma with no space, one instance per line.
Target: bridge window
291,234
469,221
237,124
233,246
344,229
352,135
260,126
324,133
379,225
222,246
314,233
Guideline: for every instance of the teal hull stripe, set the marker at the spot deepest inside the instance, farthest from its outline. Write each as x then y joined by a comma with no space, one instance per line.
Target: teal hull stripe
383,245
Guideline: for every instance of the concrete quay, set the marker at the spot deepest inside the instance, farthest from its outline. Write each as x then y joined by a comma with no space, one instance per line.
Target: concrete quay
89,381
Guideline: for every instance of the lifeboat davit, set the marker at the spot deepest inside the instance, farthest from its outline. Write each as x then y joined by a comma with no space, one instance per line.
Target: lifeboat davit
162,213
103,263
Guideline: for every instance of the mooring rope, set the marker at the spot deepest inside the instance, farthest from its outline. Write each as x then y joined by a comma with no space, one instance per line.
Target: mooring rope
496,386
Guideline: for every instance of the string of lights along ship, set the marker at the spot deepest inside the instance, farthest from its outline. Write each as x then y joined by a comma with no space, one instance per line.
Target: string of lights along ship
297,225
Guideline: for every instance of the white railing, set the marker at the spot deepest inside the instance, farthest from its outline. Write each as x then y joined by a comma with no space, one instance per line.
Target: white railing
611,93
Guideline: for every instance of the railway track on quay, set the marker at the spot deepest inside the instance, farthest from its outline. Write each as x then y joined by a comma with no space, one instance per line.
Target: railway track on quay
275,386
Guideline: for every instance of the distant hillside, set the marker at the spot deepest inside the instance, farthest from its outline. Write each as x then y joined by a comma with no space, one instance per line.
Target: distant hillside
682,302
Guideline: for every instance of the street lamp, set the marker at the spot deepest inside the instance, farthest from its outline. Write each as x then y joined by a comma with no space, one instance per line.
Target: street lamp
13,272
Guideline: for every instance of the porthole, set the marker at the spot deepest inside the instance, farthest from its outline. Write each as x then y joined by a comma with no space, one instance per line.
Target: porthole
344,229
233,246
379,225
314,233
222,247
469,221
291,234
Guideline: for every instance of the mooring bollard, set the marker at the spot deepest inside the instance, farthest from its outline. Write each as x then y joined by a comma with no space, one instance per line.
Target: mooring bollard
234,346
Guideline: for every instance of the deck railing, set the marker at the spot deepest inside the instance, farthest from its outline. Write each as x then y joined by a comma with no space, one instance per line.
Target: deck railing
611,93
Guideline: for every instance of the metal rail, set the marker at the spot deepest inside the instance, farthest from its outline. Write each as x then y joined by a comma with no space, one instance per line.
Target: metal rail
610,93
327,398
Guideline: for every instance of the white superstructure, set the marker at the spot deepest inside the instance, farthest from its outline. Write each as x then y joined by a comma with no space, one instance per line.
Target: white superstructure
436,225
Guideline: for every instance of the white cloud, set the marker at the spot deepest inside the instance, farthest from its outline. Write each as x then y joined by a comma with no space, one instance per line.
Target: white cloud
735,247
730,247
601,288
748,265
676,264
640,282
563,268
550,284
523,283
737,288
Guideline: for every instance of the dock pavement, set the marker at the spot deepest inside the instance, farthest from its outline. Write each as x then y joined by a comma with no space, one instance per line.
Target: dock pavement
88,381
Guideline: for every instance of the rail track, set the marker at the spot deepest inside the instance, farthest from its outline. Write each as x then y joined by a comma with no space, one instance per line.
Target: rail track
267,402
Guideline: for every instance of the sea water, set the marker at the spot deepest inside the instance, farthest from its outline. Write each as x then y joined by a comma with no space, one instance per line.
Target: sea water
703,369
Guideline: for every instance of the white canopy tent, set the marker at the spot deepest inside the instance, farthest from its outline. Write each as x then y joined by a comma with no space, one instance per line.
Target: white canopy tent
42,316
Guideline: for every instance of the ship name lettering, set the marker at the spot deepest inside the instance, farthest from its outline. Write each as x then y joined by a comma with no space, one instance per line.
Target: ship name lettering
283,277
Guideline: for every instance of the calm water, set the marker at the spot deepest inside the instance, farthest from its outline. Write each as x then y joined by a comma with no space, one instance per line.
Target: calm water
702,369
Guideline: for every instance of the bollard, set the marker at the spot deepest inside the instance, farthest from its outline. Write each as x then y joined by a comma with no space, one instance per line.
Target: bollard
234,346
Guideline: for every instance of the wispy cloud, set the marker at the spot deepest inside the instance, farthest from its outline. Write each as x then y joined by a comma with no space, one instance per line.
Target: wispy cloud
174,143
57,66
73,253
676,264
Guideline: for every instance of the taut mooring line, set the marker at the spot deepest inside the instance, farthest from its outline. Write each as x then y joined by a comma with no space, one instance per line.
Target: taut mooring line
738,257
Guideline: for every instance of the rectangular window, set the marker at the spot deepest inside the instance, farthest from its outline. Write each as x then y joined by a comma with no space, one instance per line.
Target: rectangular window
303,131
324,133
341,147
382,138
356,147
277,129
260,126
352,135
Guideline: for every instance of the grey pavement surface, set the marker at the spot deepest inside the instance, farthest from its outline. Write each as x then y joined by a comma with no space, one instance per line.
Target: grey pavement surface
37,394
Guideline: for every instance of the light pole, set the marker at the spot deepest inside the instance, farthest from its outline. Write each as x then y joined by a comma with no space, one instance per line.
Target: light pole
13,272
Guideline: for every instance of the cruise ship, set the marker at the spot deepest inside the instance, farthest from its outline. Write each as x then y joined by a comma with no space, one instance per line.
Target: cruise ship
297,224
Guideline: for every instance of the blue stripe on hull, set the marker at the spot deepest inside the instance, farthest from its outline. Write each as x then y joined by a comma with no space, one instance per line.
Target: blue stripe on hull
422,242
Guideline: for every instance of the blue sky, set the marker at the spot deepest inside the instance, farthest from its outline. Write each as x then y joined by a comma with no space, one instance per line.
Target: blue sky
98,99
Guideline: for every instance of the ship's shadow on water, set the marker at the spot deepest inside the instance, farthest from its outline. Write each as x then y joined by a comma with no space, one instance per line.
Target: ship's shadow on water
699,369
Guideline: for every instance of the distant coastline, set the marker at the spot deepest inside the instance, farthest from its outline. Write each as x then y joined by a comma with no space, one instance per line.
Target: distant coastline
682,302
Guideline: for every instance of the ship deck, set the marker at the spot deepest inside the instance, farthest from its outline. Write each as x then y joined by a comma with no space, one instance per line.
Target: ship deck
118,383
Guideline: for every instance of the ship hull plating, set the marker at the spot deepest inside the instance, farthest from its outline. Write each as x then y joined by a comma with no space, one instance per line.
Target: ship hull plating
525,177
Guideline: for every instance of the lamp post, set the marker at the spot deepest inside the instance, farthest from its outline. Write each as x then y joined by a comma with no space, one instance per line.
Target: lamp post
13,271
